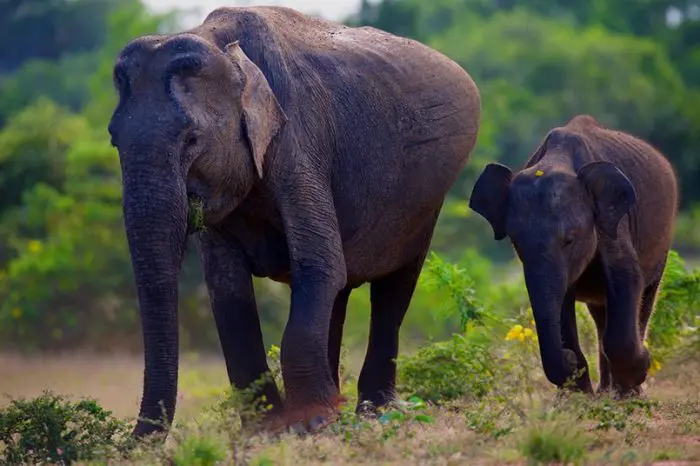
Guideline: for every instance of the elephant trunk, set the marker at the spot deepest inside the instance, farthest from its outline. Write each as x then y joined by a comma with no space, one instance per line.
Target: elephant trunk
155,215
546,287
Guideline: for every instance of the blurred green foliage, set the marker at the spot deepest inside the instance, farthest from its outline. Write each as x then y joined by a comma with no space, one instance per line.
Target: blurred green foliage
50,429
65,276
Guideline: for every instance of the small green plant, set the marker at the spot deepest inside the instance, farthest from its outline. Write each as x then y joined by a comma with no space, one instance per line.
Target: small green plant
441,275
405,412
554,441
199,450
491,417
195,215
51,428
617,414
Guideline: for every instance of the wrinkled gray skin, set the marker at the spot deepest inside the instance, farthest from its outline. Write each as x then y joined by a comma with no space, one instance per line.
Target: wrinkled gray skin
322,155
591,218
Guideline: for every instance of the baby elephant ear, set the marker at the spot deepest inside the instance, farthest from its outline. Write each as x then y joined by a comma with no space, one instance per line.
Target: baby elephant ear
613,194
489,197
263,117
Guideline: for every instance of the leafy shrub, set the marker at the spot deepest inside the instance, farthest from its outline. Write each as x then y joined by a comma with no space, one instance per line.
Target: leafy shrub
675,320
51,428
462,366
448,278
443,371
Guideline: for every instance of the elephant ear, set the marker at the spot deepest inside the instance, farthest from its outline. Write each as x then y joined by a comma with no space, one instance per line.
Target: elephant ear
263,117
613,194
489,197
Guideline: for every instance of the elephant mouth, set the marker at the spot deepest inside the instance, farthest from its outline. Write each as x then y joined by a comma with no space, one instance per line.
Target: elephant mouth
195,214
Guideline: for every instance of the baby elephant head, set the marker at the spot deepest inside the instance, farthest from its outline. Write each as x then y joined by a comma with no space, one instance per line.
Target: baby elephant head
555,217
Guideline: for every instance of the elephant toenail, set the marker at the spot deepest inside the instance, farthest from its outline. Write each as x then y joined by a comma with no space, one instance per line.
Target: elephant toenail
316,423
298,428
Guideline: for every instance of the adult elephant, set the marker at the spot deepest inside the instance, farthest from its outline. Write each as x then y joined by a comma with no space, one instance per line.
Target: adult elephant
321,155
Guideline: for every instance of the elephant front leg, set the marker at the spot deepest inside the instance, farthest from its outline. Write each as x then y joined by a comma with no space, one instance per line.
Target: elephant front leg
629,360
318,274
570,339
232,299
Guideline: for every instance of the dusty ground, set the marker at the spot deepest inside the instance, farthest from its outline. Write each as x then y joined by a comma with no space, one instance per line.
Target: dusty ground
671,436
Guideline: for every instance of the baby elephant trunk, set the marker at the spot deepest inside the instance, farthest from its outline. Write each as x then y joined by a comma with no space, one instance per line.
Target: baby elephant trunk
546,287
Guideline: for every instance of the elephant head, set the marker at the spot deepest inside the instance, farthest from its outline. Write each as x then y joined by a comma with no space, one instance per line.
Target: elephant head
192,121
554,215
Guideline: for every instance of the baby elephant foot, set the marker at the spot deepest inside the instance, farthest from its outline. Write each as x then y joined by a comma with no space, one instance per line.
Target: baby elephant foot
625,393
367,409
604,390
580,380
628,376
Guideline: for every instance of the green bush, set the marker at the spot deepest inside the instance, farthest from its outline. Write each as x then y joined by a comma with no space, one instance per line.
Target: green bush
443,371
51,428
675,320
199,451
463,366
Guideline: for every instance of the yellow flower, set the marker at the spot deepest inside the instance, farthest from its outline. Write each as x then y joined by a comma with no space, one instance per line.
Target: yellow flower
521,337
34,246
528,333
532,323
655,367
16,313
515,333
539,173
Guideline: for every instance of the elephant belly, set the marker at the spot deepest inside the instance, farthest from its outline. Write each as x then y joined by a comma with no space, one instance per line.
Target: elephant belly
590,287
386,223
380,248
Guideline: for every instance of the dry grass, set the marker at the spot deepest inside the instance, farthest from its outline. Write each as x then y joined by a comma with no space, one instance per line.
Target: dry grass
671,436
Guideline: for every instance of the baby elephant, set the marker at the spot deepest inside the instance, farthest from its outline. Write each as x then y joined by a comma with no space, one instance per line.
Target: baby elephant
591,218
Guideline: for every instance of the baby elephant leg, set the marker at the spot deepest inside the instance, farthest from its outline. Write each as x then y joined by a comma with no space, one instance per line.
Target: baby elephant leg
645,310
629,360
570,340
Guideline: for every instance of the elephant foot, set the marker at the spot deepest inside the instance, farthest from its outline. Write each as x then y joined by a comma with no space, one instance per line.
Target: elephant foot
603,390
622,393
583,384
307,419
367,409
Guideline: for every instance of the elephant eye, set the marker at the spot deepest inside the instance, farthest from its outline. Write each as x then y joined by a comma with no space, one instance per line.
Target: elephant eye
190,141
568,238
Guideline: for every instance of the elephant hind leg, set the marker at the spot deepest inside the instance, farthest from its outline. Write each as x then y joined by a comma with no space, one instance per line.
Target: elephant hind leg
390,298
647,306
